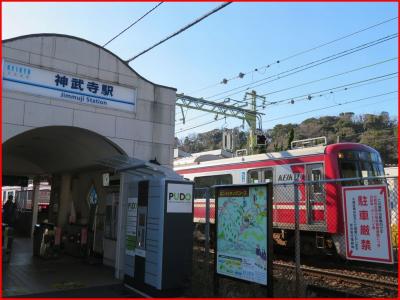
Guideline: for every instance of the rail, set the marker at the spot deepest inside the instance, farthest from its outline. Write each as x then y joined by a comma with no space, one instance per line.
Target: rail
358,279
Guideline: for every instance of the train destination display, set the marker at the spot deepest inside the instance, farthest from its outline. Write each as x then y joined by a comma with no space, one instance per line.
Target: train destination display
367,224
242,232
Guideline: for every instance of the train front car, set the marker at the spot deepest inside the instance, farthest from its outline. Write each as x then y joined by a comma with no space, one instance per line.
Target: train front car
314,174
345,162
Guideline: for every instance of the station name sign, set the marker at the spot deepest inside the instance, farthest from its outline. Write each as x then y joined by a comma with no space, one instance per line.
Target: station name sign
71,88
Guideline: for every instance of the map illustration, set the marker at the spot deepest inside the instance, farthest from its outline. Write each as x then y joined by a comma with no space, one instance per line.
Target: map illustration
242,233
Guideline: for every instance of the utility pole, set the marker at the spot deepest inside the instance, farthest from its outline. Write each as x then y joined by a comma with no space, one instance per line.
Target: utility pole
250,115
251,120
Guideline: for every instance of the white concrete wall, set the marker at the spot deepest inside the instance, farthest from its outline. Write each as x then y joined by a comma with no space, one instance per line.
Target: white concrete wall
146,134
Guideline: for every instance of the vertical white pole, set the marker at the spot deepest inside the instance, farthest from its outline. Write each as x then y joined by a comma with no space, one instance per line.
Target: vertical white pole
35,203
120,244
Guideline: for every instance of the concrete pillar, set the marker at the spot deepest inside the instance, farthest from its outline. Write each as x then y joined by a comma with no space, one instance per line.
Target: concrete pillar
35,203
121,223
65,200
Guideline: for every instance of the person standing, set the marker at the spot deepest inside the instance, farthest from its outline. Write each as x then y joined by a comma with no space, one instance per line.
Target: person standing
9,211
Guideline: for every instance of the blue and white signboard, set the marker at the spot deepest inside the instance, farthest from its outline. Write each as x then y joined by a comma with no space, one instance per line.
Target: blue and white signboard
71,88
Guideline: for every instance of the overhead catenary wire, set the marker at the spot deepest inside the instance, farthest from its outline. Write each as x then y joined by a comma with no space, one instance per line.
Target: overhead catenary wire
305,112
345,87
278,61
304,67
180,31
228,100
313,81
338,89
330,91
197,126
134,23
321,93
326,107
331,76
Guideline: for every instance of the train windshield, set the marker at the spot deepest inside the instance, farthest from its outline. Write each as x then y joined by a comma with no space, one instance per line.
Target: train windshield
360,164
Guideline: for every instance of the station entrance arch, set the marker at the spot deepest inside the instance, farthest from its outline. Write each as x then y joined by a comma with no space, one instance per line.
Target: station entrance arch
67,105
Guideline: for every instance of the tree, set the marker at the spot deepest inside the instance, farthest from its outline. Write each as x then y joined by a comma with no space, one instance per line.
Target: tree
377,131
290,139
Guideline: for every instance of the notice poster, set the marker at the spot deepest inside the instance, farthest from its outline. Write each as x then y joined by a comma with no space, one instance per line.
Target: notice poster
131,221
367,224
242,233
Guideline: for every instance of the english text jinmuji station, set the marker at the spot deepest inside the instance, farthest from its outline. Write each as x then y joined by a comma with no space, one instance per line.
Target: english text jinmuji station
79,120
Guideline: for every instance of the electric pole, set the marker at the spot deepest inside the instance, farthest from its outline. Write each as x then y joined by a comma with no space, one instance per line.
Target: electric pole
251,120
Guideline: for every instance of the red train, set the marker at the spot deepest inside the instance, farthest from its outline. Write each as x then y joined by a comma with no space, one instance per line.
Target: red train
321,219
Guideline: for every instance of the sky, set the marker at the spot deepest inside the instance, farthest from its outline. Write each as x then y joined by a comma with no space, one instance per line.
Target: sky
242,37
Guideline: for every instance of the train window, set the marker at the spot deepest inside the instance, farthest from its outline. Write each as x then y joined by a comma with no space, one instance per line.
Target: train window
316,175
11,193
360,164
253,176
260,175
366,169
349,169
378,169
208,181
268,174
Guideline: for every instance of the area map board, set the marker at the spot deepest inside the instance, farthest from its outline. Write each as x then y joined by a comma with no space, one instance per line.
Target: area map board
366,217
244,232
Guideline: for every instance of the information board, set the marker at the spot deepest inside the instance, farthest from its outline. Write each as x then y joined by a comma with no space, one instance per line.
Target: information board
131,224
242,232
367,223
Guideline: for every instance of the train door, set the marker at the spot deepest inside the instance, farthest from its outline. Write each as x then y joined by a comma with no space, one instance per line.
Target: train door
260,175
316,203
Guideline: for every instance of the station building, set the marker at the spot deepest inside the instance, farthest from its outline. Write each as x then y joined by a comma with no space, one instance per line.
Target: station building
73,112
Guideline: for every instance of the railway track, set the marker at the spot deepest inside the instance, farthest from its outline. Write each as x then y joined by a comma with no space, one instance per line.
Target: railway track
324,263
385,284
330,279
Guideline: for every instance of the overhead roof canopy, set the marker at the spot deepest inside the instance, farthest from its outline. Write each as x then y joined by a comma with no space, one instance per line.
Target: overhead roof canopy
54,149
137,167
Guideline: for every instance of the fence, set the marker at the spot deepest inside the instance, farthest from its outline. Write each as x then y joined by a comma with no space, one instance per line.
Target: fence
310,256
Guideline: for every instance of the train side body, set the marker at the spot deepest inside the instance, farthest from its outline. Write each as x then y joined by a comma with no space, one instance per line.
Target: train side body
320,207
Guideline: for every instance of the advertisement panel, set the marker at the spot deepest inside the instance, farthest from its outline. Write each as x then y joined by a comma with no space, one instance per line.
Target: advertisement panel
367,224
71,88
131,224
242,232
179,198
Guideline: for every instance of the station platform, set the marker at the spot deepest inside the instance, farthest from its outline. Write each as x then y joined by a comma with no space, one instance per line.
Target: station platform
28,276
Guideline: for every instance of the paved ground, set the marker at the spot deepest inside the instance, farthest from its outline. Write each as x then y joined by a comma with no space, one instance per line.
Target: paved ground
109,291
62,277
